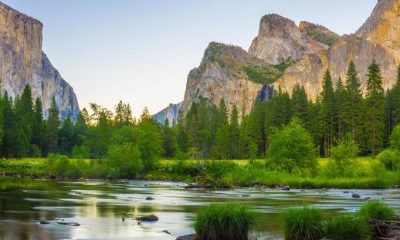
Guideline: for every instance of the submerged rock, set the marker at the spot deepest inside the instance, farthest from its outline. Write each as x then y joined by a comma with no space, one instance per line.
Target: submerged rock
285,188
148,218
73,224
355,195
186,237
44,222
150,198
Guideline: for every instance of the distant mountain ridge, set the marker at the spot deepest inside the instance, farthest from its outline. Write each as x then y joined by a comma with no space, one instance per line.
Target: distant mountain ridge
312,48
23,62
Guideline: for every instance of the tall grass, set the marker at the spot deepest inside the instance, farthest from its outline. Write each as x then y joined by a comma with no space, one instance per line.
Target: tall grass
224,222
376,209
303,224
347,226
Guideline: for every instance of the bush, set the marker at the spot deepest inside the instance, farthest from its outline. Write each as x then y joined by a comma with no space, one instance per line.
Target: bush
390,158
224,222
57,165
348,226
80,152
303,224
395,138
344,153
292,148
378,210
124,161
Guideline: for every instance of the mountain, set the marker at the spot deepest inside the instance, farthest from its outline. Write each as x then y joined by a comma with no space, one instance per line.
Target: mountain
378,37
229,73
171,113
284,55
23,62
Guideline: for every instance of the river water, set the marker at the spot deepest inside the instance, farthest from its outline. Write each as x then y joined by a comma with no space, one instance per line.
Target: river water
99,206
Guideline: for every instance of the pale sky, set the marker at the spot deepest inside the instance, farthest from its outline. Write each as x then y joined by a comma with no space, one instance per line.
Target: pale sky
140,51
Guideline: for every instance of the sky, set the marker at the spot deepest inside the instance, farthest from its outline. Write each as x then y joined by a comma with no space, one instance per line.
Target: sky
141,51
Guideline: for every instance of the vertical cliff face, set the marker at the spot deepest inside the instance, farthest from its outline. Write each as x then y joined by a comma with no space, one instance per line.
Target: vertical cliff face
378,38
280,39
22,62
170,113
220,76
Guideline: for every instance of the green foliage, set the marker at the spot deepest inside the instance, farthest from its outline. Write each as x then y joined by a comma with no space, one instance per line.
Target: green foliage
80,152
53,123
224,222
347,226
390,158
342,154
292,148
124,161
375,209
395,138
303,224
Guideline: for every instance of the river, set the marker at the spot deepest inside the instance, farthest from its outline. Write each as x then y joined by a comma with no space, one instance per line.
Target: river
99,206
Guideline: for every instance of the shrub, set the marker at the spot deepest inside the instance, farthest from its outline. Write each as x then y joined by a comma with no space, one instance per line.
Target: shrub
292,148
344,153
390,158
303,224
378,210
224,222
124,161
57,164
80,152
395,138
348,226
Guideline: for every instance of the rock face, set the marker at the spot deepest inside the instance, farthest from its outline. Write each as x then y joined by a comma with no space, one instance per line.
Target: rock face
22,62
378,38
318,33
280,39
171,113
220,76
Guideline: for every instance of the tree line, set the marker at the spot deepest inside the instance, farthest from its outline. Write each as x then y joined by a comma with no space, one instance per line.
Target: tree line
340,113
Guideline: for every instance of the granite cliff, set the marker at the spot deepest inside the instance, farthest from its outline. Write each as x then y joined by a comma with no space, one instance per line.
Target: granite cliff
22,62
378,37
170,113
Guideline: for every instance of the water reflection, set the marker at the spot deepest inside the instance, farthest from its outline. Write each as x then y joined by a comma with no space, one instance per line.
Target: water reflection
100,206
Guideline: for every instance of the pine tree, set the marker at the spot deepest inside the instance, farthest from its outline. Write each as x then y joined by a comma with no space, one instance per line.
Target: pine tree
38,130
53,124
328,112
235,130
24,120
66,136
80,130
9,126
170,144
375,107
353,104
340,95
123,114
299,103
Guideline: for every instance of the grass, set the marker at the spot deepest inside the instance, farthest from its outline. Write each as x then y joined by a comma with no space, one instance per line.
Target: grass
221,173
347,226
377,210
224,222
303,224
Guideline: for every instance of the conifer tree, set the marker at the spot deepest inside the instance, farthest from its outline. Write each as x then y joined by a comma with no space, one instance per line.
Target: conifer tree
38,130
353,104
9,126
375,108
234,128
328,112
53,124
340,94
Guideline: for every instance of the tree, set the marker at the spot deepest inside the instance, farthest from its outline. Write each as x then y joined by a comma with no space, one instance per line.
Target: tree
9,126
342,154
353,105
66,137
299,103
234,130
38,127
393,105
53,124
24,120
328,112
170,143
124,161
292,148
340,95
375,107
123,114
149,142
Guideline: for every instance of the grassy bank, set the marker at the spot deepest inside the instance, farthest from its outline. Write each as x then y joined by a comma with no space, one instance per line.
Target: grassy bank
233,173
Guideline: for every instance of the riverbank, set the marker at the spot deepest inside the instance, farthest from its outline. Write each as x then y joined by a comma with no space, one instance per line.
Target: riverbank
213,174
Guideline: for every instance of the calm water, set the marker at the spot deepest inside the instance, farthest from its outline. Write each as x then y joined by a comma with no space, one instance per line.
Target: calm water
100,206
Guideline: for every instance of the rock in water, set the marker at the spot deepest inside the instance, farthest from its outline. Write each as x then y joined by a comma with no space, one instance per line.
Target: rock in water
148,218
23,62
